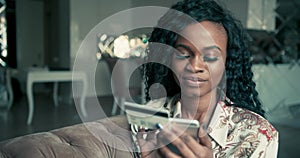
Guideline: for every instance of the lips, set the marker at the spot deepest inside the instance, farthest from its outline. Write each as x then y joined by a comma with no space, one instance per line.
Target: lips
194,81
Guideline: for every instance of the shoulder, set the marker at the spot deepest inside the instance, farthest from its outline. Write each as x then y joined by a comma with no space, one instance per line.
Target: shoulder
250,122
249,134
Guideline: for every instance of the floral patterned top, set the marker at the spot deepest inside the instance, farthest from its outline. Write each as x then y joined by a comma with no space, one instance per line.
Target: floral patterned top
234,132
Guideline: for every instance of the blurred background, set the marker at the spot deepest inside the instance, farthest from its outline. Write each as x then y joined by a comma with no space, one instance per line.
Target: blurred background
43,36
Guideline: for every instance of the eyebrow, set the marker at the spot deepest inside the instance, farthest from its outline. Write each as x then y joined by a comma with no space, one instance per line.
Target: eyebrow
212,47
184,46
204,49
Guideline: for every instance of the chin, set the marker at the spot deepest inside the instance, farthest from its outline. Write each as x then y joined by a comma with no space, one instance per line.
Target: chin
191,93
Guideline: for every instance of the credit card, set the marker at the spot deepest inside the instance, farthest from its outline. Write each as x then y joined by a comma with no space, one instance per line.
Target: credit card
145,116
149,117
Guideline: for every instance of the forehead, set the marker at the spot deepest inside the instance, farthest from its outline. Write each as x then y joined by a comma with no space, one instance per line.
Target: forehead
205,33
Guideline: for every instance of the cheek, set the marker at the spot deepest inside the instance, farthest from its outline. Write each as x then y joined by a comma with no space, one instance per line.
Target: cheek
216,73
177,67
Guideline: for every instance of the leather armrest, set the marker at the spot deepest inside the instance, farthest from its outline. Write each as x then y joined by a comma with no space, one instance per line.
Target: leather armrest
103,138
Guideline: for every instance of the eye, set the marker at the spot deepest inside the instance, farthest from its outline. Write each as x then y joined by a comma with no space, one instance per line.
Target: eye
210,59
211,56
182,54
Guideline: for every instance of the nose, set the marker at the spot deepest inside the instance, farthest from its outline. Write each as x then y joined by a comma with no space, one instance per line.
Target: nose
196,64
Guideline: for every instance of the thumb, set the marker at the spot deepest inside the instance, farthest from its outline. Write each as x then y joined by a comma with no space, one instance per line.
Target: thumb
204,138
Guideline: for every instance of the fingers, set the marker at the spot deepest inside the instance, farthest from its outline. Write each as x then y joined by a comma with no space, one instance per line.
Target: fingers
146,135
141,134
197,149
186,144
152,135
147,140
206,141
166,152
204,138
176,141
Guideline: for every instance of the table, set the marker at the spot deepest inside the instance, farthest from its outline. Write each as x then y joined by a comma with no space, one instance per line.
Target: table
54,76
7,72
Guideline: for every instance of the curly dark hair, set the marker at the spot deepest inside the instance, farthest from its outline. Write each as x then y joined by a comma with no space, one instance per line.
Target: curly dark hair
240,87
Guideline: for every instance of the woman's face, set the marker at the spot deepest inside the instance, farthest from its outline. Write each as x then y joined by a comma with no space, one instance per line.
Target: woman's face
199,61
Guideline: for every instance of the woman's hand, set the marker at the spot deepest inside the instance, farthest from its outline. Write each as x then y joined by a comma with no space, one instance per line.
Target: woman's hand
148,144
185,144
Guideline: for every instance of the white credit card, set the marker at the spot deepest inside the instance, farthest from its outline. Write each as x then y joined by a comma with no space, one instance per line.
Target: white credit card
145,116
149,117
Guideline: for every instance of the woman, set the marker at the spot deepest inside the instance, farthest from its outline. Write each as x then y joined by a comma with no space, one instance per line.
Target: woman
204,66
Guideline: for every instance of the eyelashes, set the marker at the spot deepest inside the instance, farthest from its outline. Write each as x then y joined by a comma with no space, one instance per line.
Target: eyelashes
209,54
179,56
210,59
205,58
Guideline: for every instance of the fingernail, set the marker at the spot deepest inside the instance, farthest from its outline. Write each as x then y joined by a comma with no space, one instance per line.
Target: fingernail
159,126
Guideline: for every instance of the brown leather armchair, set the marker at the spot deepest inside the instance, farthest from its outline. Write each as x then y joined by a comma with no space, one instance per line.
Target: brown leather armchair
103,138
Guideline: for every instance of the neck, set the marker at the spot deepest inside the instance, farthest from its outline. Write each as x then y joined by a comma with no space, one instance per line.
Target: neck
198,108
